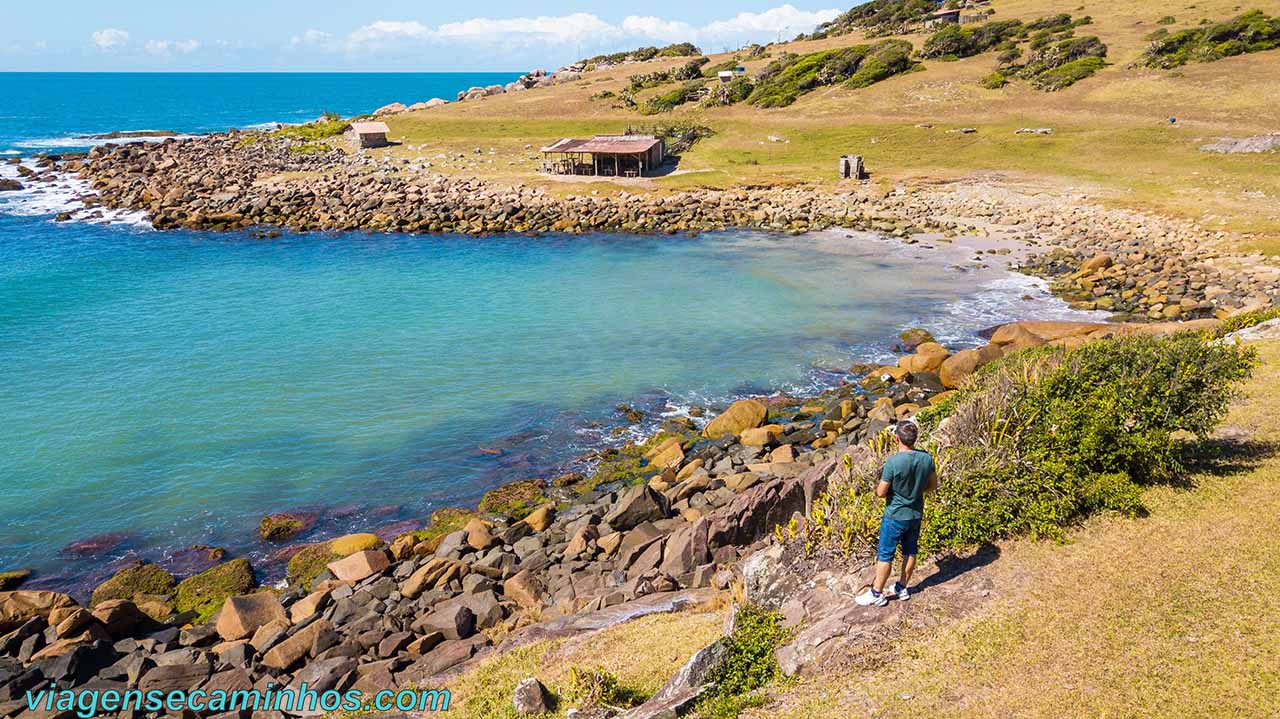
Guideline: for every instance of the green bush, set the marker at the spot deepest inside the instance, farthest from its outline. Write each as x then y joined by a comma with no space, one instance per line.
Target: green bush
748,665
1067,75
1253,31
879,18
790,76
668,101
957,41
330,125
1247,319
994,80
680,49
1045,437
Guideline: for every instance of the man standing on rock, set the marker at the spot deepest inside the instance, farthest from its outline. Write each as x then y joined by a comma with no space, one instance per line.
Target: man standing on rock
907,477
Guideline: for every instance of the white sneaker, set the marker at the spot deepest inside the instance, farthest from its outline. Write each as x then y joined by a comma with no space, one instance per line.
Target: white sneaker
899,592
871,598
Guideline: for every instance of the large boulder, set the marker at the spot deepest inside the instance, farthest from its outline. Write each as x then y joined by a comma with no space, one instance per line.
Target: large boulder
205,593
360,565
283,525
394,108
349,544
637,505
515,500
741,415
243,615
16,607
136,580
959,366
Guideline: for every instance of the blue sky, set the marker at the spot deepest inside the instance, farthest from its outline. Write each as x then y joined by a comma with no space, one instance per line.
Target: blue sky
389,35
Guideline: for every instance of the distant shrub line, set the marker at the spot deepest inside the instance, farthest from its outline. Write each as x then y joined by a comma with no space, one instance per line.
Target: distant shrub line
1253,31
1054,57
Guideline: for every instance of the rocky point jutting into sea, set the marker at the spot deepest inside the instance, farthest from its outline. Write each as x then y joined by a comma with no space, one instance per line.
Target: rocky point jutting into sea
1128,262
657,527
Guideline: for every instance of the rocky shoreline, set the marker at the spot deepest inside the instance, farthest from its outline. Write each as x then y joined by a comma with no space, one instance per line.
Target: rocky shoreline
1131,263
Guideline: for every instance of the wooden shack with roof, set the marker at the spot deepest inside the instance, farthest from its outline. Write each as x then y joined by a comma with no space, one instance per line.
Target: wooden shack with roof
606,155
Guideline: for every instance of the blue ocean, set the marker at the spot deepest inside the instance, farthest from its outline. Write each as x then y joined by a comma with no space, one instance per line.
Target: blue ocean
164,390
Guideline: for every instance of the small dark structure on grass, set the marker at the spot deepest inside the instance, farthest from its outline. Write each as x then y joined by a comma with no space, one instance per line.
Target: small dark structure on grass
368,134
606,155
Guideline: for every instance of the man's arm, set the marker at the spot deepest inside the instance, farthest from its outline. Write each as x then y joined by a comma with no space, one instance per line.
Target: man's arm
933,482
882,488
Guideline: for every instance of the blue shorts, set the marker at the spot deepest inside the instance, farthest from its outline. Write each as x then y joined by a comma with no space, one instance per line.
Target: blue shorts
894,532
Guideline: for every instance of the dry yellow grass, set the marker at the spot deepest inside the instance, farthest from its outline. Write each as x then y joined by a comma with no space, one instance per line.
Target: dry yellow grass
1174,615
1112,139
642,654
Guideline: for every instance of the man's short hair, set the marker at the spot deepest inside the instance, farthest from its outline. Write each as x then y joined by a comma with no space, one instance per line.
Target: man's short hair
907,432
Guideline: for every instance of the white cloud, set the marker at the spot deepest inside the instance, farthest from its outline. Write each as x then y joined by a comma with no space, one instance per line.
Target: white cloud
312,38
385,32
586,29
785,19
110,38
167,47
657,28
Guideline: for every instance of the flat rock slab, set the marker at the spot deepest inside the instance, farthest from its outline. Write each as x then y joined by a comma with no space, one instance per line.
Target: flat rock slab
576,624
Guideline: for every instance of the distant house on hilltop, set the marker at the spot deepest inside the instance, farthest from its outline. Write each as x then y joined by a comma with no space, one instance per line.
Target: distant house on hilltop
368,134
731,75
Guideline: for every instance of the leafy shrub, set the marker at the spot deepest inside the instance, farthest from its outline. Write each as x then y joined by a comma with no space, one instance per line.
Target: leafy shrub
1066,75
1045,437
879,18
668,101
680,49
957,41
749,662
1253,31
1247,319
329,125
994,80
729,93
1167,20
790,76
690,70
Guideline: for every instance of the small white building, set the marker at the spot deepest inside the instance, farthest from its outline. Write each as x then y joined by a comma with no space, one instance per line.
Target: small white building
368,134
731,75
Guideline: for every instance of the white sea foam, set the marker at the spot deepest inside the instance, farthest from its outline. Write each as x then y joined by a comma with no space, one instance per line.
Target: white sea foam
71,142
38,199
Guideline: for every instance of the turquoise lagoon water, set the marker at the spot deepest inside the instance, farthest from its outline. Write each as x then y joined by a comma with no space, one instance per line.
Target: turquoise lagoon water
168,389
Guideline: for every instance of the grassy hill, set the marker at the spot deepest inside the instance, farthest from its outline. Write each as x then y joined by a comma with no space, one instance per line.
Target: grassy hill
1111,136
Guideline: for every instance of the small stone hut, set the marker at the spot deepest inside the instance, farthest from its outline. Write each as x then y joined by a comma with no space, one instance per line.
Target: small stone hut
368,134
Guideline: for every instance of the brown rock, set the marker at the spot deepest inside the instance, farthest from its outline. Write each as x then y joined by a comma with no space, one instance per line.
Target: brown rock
18,606
740,416
242,616
287,653
360,565
525,589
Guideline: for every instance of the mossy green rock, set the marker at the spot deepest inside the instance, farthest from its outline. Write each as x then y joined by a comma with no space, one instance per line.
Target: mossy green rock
347,545
13,579
205,592
515,500
135,579
308,563
280,526
914,337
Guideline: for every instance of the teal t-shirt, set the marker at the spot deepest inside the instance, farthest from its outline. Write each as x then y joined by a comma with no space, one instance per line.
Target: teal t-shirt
908,475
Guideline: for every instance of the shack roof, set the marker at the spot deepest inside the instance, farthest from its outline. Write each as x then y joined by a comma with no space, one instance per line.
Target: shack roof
606,145
944,12
370,128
